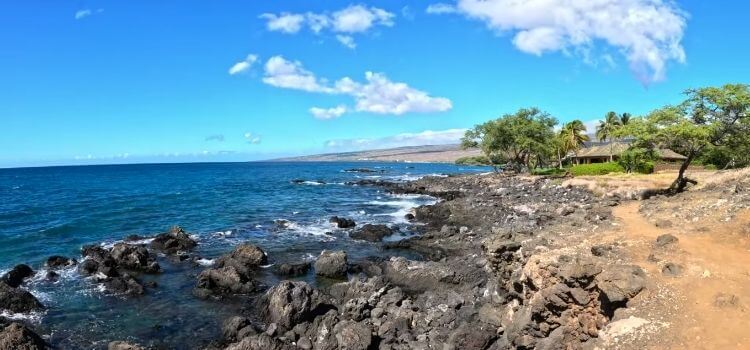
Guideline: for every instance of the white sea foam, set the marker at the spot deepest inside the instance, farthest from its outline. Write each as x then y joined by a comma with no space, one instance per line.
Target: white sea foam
110,244
404,204
33,317
205,262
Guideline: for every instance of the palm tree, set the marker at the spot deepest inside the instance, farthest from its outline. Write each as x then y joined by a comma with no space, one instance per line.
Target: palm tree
572,136
625,118
606,129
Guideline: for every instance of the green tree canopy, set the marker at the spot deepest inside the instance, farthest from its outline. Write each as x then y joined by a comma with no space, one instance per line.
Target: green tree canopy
523,138
709,117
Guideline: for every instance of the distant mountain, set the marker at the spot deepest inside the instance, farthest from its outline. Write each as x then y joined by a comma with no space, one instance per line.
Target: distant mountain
417,154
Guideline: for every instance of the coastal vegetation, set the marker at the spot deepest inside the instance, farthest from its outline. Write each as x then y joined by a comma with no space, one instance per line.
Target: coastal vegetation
710,127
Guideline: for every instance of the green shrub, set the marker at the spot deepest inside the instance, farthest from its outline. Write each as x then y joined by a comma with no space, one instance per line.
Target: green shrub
710,167
548,171
596,169
477,160
645,168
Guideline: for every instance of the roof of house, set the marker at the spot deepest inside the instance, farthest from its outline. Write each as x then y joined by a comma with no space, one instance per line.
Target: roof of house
616,148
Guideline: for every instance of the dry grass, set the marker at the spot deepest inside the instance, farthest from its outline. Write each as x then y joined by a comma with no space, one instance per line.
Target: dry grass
633,185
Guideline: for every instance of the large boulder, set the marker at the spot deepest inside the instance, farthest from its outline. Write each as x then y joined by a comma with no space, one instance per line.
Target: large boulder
342,222
223,281
57,262
353,335
16,336
331,264
17,275
108,267
16,300
292,302
135,258
244,258
620,283
372,233
174,241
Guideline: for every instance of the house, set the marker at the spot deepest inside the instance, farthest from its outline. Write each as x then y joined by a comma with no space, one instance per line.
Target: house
602,152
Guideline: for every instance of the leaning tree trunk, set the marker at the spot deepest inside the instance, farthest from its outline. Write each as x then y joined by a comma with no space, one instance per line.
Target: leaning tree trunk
681,182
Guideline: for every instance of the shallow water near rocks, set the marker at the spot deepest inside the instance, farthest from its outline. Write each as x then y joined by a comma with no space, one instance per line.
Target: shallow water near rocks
54,211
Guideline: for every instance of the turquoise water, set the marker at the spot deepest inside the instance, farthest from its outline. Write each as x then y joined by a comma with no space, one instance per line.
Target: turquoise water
54,211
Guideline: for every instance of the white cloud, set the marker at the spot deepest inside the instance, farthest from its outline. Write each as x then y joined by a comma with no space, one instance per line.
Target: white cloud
328,113
355,19
648,33
346,40
244,65
282,73
288,23
377,94
252,138
81,14
427,137
382,96
440,9
358,19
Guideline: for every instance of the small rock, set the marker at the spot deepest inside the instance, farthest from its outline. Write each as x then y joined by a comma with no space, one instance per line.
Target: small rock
121,345
671,269
342,222
293,269
15,277
666,240
725,300
372,233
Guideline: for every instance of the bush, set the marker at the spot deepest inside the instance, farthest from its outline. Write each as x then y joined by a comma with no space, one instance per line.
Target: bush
477,160
596,169
548,171
645,168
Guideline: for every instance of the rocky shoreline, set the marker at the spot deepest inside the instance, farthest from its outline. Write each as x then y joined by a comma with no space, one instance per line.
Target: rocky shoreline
496,273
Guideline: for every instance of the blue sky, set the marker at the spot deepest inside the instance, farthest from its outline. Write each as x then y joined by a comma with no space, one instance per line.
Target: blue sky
88,82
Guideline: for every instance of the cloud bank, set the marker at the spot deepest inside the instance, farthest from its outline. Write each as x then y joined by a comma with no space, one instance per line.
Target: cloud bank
377,94
647,33
427,137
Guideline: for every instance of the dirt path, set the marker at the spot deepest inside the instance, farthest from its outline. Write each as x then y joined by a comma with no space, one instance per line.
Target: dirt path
711,292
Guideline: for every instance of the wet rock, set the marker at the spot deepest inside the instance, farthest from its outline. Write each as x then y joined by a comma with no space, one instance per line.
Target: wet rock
123,284
57,262
372,233
342,222
620,283
671,269
666,240
224,281
174,241
409,217
17,275
290,303
16,300
121,345
135,258
16,336
361,170
331,264
237,328
245,258
293,269
352,335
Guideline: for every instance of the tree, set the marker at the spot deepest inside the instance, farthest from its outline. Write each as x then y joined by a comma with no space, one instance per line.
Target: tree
607,129
572,137
523,138
709,117
625,118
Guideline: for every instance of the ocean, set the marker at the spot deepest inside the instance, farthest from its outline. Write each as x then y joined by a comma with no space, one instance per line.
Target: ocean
56,210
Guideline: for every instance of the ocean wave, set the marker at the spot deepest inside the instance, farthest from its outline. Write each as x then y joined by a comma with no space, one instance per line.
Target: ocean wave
319,229
206,262
404,205
111,244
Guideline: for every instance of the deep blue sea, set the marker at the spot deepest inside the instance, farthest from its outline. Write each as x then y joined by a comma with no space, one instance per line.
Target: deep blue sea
56,210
